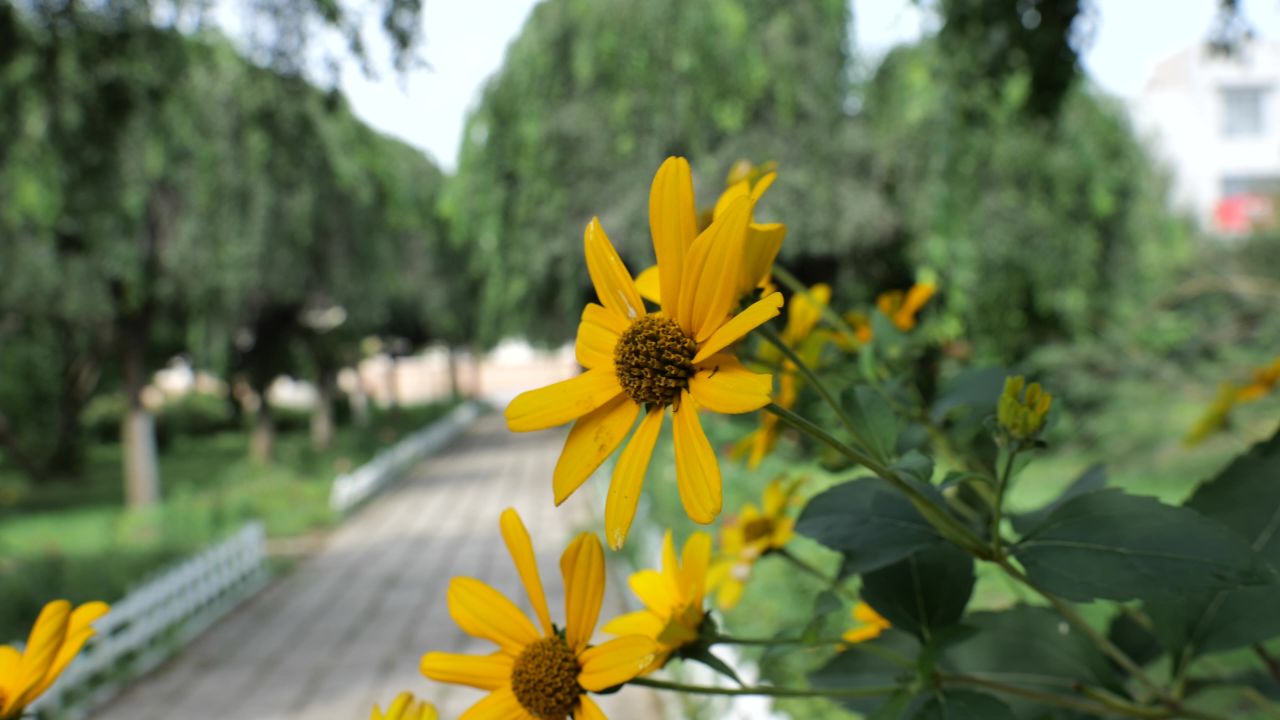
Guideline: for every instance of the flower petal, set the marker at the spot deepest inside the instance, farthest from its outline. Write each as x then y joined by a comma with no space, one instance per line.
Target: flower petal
612,281
763,243
44,642
595,342
501,704
606,318
593,438
655,590
628,478
561,402
649,283
709,286
673,221
615,662
485,613
640,622
486,672
724,385
695,561
697,471
589,710
583,568
79,631
520,547
804,311
760,312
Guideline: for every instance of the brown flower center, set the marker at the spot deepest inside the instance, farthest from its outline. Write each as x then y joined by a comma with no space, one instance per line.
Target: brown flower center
545,679
654,360
757,529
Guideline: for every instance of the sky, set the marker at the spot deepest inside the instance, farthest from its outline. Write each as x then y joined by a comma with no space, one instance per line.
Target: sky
466,41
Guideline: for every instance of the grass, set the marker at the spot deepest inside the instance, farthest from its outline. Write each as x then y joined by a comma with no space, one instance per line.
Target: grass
75,540
1136,435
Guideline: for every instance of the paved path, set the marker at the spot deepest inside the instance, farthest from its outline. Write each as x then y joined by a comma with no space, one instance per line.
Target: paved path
347,628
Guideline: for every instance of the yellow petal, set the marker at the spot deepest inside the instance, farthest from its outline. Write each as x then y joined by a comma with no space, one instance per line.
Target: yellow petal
804,312
649,283
589,710
697,471
763,243
695,562
740,189
78,633
486,672
615,662
593,438
760,312
397,709
729,593
583,568
564,401
520,547
595,342
762,184
605,318
861,634
640,622
612,281
483,612
655,590
628,478
674,225
501,704
724,385
43,644
670,563
709,287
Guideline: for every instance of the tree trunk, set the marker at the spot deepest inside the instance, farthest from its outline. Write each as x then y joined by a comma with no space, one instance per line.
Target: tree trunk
322,411
360,401
263,438
138,432
455,382
393,388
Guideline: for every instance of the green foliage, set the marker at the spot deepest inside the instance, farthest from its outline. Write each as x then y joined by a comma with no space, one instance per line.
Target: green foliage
869,523
924,593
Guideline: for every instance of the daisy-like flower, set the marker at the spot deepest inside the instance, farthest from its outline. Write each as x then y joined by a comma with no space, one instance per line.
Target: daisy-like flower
868,624
675,360
672,598
749,537
56,638
763,239
538,673
406,707
901,308
803,313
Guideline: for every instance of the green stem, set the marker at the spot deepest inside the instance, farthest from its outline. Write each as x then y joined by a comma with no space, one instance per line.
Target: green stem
997,510
1056,699
863,692
938,517
879,651
774,339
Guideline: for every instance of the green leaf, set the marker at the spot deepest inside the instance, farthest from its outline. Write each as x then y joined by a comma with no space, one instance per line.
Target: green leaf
1245,497
962,705
1094,478
1001,650
1106,544
865,665
874,418
923,593
868,521
976,391
1134,638
916,466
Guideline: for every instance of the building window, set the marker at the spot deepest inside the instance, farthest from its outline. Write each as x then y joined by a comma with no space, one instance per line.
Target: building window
1242,111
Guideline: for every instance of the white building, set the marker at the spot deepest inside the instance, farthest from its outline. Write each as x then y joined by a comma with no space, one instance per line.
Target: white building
1215,121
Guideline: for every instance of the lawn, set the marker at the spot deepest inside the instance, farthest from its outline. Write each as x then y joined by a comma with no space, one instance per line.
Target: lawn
75,541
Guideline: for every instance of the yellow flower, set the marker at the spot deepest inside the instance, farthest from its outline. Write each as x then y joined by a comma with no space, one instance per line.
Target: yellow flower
674,359
1264,381
748,538
763,239
869,624
1022,416
672,598
542,674
901,308
861,332
56,638
803,313
405,707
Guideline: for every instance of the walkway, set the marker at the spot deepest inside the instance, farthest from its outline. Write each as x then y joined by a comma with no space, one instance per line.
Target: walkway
346,629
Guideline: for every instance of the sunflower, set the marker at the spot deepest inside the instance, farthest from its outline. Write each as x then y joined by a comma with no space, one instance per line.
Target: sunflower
56,638
672,597
869,624
901,308
543,675
803,313
749,537
674,359
763,239
406,707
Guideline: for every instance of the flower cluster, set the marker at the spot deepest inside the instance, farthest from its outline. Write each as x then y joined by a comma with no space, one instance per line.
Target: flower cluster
1020,414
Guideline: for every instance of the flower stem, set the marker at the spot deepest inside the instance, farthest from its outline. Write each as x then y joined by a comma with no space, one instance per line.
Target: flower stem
770,691
833,582
877,650
997,509
1092,707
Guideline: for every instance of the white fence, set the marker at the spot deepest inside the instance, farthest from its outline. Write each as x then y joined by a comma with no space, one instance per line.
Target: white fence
353,488
158,618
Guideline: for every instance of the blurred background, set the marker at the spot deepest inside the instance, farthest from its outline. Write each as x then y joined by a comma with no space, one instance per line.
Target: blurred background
245,244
